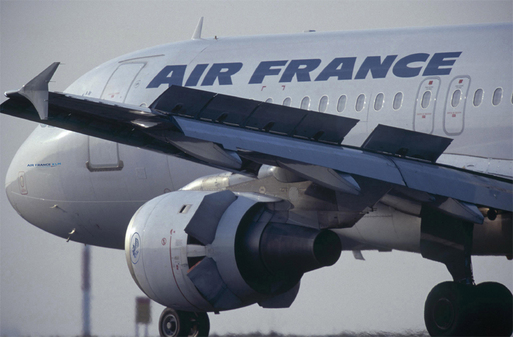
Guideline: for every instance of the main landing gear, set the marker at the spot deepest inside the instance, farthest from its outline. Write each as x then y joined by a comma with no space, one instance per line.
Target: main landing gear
173,323
459,307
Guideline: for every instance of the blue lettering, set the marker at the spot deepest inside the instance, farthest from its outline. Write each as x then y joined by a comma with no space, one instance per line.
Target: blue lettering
223,72
341,67
264,69
170,75
375,66
301,69
194,77
401,68
439,60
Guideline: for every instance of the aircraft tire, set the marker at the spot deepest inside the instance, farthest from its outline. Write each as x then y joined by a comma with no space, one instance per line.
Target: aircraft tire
448,309
199,324
173,323
495,310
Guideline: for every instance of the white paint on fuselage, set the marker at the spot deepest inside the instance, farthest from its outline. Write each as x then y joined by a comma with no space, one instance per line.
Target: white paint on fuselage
99,204
60,194
484,62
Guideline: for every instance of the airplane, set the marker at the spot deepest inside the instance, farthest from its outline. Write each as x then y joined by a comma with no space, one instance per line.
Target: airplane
318,142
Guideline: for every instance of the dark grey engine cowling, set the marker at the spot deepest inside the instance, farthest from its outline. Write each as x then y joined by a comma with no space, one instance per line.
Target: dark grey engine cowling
223,252
273,257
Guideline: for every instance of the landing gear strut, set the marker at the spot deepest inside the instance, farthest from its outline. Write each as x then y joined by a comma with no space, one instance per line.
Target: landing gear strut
461,308
174,323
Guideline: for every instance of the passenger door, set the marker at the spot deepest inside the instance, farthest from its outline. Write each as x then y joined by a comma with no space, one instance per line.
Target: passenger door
103,154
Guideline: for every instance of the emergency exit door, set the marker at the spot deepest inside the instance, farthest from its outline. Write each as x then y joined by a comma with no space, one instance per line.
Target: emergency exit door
454,112
425,106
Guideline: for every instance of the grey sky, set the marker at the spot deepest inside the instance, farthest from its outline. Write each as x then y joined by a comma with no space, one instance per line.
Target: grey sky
40,274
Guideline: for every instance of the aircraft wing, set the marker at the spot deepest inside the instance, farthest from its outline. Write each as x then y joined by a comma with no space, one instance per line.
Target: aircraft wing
240,135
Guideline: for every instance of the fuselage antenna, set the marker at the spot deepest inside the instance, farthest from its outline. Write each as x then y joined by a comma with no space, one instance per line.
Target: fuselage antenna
197,32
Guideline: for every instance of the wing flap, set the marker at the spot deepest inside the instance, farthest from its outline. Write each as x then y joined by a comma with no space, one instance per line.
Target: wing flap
457,184
435,179
270,147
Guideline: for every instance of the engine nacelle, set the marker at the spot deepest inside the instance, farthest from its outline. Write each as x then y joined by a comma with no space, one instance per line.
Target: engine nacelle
212,251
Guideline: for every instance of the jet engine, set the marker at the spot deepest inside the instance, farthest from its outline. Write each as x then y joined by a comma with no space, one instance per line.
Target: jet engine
213,251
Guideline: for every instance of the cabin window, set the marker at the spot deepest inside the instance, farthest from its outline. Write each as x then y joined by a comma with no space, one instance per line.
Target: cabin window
269,100
398,101
378,102
478,97
497,96
426,99
323,103
287,101
305,103
360,102
456,98
341,104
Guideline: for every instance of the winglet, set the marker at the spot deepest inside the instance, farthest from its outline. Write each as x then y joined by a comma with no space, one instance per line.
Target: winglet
36,91
197,32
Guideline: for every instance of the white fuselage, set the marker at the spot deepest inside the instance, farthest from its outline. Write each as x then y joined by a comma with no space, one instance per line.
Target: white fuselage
454,82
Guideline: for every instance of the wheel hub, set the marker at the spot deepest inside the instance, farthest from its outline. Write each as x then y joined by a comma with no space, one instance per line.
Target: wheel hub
443,314
170,326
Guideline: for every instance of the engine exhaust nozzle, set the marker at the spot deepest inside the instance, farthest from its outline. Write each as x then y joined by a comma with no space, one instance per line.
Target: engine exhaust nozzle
295,249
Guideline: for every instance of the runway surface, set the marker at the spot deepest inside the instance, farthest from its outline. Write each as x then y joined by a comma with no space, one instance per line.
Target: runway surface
342,334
